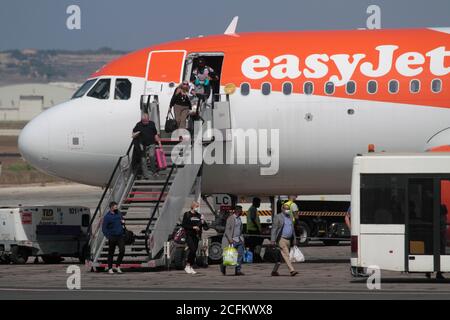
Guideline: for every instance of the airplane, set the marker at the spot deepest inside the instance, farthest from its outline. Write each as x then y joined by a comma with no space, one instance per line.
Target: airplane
330,94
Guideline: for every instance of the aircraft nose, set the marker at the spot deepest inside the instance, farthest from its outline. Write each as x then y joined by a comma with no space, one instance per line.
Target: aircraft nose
34,142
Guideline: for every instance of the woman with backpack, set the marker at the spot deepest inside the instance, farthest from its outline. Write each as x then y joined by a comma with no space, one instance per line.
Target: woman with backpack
193,223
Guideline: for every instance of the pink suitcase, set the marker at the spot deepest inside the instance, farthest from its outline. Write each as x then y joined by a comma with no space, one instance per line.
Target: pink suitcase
161,161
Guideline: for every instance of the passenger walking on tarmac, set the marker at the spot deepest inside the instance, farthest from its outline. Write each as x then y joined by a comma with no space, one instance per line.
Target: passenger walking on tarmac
181,104
113,229
254,226
283,233
233,236
193,223
293,208
145,138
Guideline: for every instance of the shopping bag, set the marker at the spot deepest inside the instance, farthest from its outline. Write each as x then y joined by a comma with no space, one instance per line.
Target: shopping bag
230,256
160,159
295,255
248,256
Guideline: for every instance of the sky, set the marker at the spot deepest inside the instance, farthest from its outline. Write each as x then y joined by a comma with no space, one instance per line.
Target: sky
133,24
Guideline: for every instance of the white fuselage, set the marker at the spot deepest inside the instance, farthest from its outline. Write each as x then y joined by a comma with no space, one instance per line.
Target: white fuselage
318,138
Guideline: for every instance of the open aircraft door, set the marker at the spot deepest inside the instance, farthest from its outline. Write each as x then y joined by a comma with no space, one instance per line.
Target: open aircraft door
164,72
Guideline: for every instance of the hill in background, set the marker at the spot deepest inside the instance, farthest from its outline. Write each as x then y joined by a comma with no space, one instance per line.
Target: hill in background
42,66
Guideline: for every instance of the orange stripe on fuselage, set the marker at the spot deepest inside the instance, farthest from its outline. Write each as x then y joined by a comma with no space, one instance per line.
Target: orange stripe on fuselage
445,148
304,44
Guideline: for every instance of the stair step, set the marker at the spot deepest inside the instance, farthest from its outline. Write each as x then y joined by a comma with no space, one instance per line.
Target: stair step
151,200
149,205
134,193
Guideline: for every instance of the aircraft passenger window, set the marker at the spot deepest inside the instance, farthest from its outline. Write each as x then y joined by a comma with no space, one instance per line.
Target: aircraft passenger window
308,88
265,88
414,86
245,89
350,87
123,89
436,85
393,86
101,89
83,89
372,87
329,87
287,88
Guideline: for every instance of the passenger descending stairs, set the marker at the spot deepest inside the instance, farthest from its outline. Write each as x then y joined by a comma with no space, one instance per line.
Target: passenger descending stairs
151,207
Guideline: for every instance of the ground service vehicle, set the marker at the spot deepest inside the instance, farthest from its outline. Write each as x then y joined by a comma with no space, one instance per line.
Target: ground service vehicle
50,232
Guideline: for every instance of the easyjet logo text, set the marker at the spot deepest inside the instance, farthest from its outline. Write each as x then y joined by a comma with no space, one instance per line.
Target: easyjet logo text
316,66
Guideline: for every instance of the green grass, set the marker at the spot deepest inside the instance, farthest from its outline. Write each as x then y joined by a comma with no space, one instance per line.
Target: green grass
19,167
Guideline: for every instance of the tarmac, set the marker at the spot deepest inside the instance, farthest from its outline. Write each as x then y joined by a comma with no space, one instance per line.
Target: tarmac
324,275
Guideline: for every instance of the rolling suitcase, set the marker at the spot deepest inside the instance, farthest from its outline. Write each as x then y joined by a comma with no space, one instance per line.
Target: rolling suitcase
160,159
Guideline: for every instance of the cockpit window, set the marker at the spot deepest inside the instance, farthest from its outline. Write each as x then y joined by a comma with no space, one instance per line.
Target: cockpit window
123,89
83,89
101,89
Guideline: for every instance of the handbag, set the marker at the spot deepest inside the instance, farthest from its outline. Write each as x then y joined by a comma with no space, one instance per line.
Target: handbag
171,124
180,235
129,237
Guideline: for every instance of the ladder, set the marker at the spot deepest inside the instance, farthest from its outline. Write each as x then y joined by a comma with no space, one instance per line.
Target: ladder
152,208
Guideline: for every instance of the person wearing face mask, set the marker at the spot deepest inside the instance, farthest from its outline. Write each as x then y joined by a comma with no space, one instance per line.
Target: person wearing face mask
145,137
233,236
283,234
113,229
193,223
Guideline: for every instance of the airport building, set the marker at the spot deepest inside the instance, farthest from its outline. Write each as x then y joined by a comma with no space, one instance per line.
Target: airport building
22,102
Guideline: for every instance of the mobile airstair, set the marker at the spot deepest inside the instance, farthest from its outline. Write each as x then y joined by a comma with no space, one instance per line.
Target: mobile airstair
152,207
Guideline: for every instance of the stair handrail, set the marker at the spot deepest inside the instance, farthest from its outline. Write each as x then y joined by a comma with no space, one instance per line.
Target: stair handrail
107,188
155,209
111,186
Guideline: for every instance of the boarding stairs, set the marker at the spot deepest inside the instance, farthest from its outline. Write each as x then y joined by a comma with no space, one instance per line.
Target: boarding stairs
152,208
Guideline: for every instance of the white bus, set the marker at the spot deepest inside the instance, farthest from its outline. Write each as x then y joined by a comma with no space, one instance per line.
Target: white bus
399,216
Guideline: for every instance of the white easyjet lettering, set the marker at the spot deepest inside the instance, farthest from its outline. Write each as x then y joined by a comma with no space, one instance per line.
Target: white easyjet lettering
250,65
315,68
437,61
384,63
288,66
289,69
345,67
406,60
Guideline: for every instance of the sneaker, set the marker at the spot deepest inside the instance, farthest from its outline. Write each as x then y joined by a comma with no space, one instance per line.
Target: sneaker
118,270
188,269
110,271
193,271
239,273
274,274
293,273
